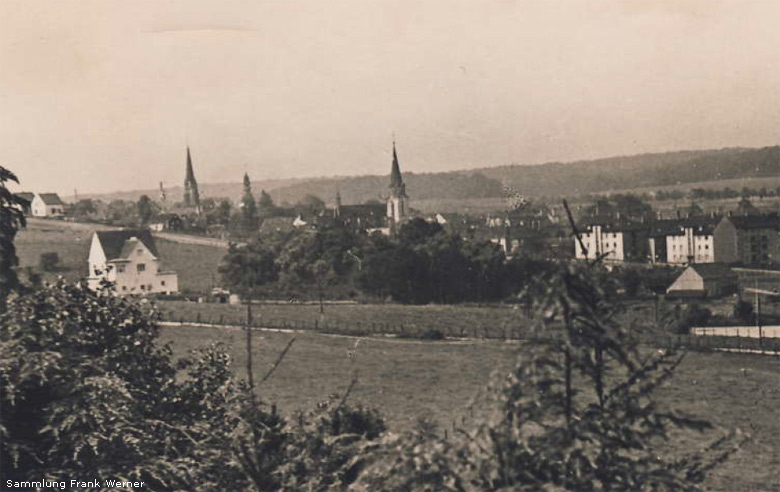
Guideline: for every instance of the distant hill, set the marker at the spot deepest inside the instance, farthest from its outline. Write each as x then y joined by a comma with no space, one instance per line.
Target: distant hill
551,179
639,171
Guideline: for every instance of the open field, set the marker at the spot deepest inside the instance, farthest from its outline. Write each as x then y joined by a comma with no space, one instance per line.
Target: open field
407,380
196,264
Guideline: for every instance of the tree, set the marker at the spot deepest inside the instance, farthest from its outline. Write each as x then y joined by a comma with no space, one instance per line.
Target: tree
312,203
243,269
558,422
11,220
145,209
84,208
248,207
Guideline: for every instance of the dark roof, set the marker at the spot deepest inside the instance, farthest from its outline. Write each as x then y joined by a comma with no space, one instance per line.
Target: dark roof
770,221
51,199
712,270
614,225
364,209
675,227
26,196
113,242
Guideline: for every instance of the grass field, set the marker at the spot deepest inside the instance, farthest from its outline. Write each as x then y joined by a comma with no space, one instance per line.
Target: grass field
195,264
407,380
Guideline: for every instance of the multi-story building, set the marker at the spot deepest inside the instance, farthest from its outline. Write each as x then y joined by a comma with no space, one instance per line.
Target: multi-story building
614,242
683,241
129,260
748,239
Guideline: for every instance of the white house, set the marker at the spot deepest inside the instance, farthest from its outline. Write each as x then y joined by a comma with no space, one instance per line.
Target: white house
704,280
613,242
130,260
47,205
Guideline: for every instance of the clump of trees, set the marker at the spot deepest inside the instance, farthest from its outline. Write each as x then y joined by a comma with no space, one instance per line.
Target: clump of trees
421,264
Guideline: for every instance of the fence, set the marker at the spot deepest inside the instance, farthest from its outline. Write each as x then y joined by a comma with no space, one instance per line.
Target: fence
703,339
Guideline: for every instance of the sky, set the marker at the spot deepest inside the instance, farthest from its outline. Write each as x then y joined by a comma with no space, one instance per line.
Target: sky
105,96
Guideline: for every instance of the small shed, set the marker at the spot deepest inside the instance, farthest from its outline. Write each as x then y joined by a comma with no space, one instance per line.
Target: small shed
704,280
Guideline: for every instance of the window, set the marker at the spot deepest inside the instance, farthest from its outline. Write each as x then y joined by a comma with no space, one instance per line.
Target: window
124,287
139,251
120,269
140,267
162,283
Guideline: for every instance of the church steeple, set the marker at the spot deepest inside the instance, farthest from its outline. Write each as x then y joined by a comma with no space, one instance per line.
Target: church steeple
398,201
397,186
191,195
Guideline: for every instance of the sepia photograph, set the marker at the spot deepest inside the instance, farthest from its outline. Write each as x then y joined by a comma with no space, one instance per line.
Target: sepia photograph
390,245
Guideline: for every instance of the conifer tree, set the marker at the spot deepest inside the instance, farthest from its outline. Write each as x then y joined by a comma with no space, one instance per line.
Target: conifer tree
248,206
11,219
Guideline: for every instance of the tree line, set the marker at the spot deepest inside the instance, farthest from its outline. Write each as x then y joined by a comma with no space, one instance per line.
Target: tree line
421,264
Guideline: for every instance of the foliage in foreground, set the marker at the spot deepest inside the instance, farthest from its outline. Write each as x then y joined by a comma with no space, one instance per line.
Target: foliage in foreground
86,390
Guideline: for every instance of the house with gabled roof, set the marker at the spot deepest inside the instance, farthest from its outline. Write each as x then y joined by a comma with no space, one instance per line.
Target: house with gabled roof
704,280
28,198
129,259
47,205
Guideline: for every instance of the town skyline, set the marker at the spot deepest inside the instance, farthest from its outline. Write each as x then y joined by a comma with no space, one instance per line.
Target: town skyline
110,98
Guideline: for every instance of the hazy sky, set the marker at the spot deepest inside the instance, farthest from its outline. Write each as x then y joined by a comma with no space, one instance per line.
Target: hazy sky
106,95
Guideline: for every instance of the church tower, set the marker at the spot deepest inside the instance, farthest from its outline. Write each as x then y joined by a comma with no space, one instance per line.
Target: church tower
191,195
398,201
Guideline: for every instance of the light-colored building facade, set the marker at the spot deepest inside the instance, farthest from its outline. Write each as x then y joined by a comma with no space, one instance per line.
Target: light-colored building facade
704,280
130,261
47,205
613,243
398,201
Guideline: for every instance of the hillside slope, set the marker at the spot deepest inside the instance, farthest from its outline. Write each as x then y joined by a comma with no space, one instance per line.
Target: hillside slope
551,179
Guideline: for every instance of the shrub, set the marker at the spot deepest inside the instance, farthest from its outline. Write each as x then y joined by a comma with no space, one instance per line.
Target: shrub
743,311
49,261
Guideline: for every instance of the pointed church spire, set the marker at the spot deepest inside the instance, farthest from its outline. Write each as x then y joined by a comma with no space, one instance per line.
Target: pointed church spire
397,186
191,195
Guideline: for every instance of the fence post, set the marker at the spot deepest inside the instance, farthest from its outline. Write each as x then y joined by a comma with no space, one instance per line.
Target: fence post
739,342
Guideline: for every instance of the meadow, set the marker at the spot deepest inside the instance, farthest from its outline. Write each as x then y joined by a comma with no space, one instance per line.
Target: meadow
408,380
196,264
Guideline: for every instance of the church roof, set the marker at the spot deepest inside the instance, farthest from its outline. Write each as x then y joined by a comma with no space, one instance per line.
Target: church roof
190,177
396,181
115,243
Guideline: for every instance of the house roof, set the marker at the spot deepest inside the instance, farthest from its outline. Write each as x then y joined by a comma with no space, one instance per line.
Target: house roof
51,199
702,225
711,270
769,221
26,196
115,242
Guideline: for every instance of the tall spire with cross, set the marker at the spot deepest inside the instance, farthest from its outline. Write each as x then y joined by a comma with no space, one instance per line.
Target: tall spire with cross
191,194
398,201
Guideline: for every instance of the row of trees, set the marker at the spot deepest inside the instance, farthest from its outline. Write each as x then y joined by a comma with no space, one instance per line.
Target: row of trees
716,194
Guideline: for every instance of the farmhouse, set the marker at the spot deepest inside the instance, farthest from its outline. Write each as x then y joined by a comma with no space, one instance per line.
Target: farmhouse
47,205
704,280
129,259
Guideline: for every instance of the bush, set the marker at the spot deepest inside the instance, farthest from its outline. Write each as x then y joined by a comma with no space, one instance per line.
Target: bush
49,261
743,311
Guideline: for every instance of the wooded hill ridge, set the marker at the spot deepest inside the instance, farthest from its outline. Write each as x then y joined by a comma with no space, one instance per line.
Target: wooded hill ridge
550,179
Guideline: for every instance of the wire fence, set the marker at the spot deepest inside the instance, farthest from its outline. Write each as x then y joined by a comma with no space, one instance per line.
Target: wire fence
703,340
